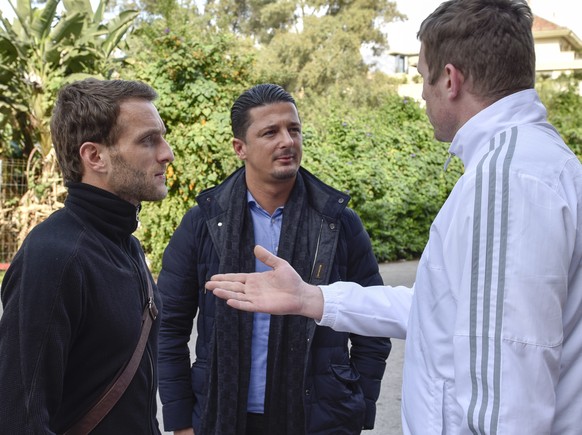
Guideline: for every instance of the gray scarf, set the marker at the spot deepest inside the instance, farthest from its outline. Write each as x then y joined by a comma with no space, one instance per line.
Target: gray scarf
226,405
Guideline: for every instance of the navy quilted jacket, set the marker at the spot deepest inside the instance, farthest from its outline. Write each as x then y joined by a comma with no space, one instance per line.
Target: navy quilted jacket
342,382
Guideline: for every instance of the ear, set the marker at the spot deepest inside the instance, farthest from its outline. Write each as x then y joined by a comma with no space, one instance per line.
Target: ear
92,157
239,147
455,81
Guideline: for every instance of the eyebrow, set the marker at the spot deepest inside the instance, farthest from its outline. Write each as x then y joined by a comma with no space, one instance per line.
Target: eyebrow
276,125
150,131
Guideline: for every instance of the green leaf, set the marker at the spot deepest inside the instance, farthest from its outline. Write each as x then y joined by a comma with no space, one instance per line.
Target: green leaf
117,29
41,25
83,6
67,27
100,11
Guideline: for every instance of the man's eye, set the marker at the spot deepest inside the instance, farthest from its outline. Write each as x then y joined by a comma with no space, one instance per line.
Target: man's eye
148,140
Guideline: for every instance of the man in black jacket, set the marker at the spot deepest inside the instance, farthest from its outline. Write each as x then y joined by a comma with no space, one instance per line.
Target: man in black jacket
75,292
261,374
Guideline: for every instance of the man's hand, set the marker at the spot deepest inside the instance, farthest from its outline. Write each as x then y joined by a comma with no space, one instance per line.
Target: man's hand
188,431
280,291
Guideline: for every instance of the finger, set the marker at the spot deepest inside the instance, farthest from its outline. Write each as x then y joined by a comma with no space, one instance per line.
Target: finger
226,294
242,305
229,277
231,286
267,258
235,299
229,295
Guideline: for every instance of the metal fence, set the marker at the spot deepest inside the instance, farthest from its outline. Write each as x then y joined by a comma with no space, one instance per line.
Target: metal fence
12,188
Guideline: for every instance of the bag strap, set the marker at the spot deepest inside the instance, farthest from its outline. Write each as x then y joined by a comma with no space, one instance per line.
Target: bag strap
113,393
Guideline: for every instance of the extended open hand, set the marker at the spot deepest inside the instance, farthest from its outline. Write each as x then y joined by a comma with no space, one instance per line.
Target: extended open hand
279,291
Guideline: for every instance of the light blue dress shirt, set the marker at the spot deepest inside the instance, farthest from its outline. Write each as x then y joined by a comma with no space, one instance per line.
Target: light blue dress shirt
267,230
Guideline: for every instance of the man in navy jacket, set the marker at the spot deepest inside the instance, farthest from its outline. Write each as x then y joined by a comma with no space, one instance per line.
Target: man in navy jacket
261,374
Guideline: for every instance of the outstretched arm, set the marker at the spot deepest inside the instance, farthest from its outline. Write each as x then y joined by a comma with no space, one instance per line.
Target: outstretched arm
379,311
280,291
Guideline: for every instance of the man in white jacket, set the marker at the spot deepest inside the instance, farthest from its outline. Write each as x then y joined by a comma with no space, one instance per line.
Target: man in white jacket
493,325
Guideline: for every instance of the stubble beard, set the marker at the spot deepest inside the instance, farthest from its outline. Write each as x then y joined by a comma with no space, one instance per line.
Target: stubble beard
283,174
287,172
132,183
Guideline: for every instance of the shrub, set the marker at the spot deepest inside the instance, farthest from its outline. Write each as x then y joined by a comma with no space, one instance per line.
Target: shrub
197,77
389,163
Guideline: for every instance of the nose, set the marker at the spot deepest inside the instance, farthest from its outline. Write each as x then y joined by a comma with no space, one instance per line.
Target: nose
288,139
166,154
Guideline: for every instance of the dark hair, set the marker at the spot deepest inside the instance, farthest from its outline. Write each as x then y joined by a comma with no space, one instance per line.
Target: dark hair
87,111
489,41
260,95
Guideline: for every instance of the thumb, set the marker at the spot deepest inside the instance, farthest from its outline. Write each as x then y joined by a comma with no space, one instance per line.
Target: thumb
264,256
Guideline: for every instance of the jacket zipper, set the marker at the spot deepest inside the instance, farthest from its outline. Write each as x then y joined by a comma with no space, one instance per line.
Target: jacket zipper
152,388
451,155
145,300
316,250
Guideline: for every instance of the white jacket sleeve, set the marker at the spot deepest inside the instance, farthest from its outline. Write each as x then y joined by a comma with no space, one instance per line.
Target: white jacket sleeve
377,311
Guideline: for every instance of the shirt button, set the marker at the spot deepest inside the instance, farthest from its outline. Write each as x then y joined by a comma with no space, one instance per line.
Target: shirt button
332,226
341,200
308,392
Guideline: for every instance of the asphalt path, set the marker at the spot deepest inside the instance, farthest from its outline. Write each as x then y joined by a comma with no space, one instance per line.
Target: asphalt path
388,406
388,419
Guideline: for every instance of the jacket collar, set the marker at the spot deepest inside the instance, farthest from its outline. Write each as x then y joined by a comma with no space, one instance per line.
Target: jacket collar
323,198
472,139
107,213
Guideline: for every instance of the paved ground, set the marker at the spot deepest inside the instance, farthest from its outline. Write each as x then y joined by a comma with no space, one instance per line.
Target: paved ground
388,421
388,413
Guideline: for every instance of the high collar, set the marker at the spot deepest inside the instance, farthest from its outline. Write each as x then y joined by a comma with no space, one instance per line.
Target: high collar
472,139
102,210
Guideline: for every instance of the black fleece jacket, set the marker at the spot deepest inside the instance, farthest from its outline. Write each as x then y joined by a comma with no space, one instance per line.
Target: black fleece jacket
73,299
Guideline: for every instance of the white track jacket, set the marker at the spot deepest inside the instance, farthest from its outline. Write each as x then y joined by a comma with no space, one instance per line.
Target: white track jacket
493,325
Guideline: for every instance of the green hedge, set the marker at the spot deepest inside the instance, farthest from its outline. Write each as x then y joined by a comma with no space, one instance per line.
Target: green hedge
389,163
384,156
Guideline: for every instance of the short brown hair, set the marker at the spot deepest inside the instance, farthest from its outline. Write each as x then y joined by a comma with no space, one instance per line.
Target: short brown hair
87,111
489,41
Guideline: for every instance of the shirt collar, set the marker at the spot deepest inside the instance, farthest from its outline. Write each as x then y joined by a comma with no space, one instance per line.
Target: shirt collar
254,204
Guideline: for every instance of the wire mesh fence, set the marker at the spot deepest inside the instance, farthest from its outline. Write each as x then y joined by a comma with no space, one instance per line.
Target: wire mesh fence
12,188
